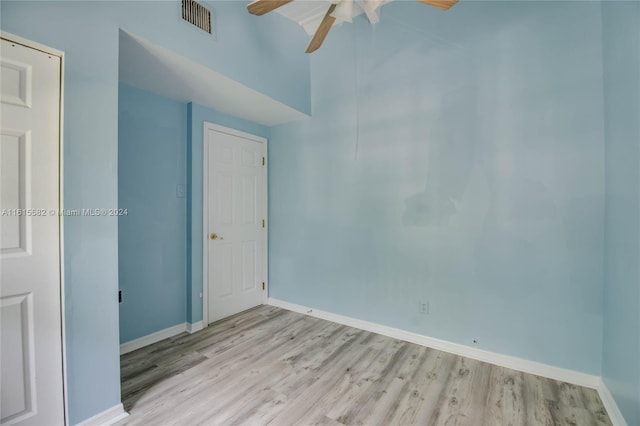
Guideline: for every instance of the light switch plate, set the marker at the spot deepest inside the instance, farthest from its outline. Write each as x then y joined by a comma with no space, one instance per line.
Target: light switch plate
180,191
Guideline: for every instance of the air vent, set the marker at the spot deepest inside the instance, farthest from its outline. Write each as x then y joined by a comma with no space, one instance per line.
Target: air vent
196,14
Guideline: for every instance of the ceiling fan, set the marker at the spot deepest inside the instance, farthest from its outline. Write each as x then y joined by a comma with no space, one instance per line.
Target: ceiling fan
342,10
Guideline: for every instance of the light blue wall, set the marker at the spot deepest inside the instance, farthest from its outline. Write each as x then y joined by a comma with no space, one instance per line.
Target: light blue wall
621,356
88,32
152,241
456,159
196,117
242,44
90,181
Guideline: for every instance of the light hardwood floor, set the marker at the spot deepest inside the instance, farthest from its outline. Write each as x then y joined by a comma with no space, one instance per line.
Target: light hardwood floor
272,366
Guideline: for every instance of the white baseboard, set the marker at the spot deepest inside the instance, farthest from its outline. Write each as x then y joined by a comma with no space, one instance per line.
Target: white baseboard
520,364
107,417
143,341
193,327
610,405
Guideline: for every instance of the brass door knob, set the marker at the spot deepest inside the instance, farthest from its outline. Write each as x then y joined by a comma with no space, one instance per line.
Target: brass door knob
215,236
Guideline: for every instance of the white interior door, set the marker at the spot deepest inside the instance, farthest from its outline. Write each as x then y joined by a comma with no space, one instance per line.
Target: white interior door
235,214
31,324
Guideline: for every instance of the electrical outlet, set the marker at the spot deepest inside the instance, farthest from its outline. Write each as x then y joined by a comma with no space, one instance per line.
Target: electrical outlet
424,308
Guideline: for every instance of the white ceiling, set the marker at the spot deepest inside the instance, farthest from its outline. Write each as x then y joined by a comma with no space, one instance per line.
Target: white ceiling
306,13
309,13
149,67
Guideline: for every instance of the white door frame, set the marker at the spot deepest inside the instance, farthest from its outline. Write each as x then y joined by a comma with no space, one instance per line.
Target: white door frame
205,213
54,52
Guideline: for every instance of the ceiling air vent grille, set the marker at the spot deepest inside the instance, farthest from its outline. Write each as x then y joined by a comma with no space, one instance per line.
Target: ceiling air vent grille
196,14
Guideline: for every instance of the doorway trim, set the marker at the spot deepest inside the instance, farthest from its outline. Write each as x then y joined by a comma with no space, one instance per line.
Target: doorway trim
63,337
205,212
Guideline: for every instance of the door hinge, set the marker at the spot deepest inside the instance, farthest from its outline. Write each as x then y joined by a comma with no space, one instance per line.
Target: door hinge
263,161
119,296
263,286
263,223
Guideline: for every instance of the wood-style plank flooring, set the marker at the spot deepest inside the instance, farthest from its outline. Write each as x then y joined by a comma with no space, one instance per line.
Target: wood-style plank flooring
273,366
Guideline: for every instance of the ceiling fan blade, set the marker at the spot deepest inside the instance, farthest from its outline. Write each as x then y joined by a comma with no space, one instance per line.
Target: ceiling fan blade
440,4
322,30
260,7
